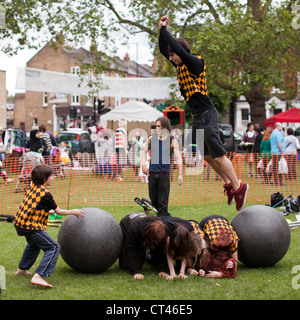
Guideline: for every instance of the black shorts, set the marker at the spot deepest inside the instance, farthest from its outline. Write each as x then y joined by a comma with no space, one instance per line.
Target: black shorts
210,143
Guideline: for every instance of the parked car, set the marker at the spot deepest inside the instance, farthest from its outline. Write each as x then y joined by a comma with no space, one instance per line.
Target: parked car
77,140
238,137
297,133
227,131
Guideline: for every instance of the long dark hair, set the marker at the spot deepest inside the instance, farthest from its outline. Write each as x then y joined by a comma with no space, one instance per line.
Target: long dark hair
180,243
165,123
155,233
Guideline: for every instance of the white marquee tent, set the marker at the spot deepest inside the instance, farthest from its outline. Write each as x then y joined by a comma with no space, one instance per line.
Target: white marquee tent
138,114
132,111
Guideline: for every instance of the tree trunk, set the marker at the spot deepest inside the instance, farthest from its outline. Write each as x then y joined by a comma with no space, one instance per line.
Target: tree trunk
256,99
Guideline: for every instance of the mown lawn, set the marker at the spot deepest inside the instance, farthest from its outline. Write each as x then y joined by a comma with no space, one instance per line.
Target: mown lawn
275,283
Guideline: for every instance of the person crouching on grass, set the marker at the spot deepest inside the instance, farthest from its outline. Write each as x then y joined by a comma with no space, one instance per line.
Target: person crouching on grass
31,221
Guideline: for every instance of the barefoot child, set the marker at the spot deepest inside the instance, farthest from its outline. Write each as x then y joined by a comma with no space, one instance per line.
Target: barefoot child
31,221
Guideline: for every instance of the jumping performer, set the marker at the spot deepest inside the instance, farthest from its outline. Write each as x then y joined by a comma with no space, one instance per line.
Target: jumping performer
192,84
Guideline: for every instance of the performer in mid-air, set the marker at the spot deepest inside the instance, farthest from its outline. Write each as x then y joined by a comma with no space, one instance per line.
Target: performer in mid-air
191,72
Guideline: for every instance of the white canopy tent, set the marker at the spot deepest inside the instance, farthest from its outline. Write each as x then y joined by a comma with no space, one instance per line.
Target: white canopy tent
132,111
137,113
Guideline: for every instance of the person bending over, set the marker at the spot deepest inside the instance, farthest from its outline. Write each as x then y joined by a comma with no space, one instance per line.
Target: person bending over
140,233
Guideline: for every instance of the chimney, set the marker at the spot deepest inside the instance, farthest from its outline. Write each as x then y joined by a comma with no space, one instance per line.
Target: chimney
127,59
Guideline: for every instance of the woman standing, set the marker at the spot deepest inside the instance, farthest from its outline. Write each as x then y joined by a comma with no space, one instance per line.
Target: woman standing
292,145
265,149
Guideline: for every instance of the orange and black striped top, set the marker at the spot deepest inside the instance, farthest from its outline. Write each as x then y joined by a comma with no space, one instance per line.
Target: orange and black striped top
28,216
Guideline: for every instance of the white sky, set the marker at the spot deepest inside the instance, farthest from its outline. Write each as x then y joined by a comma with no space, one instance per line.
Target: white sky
9,64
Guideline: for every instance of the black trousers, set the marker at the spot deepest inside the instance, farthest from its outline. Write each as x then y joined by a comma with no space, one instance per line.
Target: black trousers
159,190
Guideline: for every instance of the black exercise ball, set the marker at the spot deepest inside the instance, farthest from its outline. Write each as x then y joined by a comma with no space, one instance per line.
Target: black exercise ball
264,236
91,244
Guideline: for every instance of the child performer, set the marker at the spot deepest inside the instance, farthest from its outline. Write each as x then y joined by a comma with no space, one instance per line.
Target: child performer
31,221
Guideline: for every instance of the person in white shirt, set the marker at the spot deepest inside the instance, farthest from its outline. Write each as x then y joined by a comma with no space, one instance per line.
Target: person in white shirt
292,145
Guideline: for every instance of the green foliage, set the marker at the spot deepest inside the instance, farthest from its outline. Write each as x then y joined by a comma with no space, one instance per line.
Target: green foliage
244,53
249,47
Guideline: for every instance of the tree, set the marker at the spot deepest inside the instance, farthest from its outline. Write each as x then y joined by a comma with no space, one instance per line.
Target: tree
250,46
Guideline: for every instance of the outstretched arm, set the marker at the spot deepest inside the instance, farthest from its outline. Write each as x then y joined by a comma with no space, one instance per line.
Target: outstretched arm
194,64
162,41
76,212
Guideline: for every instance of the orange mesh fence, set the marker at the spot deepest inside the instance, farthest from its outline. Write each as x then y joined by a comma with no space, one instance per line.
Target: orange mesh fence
86,182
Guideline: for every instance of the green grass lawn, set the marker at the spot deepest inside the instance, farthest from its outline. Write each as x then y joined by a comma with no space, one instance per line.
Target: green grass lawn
272,283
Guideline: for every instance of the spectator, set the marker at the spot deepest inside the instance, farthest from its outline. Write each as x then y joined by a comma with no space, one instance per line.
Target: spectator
257,127
278,151
248,141
47,140
121,145
292,145
256,146
137,145
2,157
265,149
35,143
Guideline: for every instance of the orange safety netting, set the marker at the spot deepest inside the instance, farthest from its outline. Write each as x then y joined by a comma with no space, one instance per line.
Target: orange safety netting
87,183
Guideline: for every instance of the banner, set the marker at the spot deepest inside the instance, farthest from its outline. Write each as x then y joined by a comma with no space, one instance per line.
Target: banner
40,80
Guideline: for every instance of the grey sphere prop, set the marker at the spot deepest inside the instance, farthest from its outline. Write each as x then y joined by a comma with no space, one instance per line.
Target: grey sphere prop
91,244
264,236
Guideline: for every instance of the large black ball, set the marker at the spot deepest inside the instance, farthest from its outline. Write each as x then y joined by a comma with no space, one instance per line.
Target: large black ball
264,236
91,244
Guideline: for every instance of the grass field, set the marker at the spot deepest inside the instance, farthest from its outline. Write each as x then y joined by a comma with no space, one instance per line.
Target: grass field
274,283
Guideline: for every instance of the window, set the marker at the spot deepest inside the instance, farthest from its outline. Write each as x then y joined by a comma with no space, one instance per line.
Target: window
75,99
45,99
75,69
245,114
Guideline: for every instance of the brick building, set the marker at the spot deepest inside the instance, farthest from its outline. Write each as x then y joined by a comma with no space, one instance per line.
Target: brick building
53,108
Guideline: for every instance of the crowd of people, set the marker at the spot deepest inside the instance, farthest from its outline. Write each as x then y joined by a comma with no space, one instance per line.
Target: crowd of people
271,153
